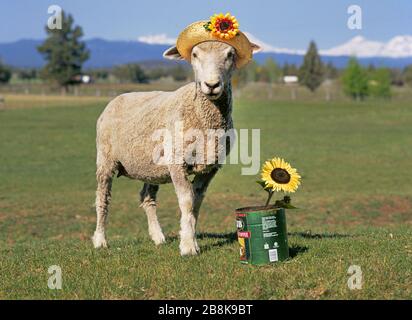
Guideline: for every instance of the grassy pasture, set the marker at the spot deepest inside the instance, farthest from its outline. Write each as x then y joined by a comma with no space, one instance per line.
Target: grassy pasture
356,207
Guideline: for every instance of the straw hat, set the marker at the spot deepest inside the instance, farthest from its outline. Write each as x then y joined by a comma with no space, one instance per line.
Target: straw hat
223,28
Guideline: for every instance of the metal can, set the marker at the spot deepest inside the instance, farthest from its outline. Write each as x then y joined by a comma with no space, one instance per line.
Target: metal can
262,235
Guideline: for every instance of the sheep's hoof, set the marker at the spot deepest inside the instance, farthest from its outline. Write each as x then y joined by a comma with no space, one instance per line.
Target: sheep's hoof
189,249
99,240
159,239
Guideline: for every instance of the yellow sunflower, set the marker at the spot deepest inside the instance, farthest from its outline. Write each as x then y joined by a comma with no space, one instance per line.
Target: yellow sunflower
224,26
278,175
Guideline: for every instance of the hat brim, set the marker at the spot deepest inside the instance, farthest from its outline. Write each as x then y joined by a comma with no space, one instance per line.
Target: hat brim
196,34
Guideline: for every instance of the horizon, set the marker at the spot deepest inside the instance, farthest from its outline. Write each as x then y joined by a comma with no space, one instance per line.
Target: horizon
398,47
318,20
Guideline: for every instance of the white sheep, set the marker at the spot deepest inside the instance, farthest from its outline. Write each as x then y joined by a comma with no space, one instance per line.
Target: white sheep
125,143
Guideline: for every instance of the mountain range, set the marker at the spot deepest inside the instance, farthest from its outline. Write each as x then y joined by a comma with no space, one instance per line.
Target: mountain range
396,53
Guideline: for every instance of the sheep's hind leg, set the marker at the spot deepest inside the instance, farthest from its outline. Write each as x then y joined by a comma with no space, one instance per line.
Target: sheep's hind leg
104,175
148,203
200,184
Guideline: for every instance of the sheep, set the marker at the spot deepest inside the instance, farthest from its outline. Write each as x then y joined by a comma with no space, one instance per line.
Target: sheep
125,140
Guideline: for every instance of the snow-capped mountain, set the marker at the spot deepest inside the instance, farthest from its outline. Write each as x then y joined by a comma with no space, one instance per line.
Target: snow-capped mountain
157,39
400,46
397,47
396,53
269,48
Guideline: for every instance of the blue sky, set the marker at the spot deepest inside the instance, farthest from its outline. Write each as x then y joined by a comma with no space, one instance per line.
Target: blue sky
291,23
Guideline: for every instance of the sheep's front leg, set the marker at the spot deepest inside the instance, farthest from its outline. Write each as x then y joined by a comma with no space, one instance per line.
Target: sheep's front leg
185,197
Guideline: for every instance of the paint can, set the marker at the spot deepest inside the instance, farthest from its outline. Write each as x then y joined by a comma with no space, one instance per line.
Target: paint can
262,235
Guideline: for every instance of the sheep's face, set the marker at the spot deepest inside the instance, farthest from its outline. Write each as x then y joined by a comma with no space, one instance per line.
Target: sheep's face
213,63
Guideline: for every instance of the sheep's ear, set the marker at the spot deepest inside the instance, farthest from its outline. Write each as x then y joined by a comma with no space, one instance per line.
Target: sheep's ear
255,48
172,54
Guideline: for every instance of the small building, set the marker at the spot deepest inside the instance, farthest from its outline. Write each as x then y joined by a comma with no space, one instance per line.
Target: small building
86,78
290,79
83,78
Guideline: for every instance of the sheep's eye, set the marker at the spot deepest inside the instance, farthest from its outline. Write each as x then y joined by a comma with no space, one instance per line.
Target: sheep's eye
194,55
230,55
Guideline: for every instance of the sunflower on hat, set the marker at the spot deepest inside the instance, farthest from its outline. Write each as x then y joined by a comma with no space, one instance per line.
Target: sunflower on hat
220,27
223,26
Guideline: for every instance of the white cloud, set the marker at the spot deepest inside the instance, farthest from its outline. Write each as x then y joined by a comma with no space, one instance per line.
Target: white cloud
157,39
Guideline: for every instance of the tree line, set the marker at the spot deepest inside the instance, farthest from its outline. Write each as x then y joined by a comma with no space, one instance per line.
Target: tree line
65,54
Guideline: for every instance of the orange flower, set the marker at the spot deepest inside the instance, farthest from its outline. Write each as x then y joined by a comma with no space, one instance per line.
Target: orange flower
223,26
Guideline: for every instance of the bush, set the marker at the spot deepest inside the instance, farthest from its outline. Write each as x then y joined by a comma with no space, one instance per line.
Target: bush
407,75
380,83
5,73
355,80
131,72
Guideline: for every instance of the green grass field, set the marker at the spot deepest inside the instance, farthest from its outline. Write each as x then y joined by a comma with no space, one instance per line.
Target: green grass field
355,200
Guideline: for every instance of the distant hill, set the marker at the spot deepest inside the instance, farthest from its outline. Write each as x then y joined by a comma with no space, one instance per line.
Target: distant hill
105,53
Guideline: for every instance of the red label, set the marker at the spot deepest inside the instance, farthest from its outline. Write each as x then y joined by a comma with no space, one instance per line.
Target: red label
241,214
243,234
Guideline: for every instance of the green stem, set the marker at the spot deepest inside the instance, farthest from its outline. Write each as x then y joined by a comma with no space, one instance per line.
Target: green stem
269,197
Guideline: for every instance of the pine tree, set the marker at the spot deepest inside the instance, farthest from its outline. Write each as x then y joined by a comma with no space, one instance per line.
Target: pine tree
311,71
64,52
5,73
355,80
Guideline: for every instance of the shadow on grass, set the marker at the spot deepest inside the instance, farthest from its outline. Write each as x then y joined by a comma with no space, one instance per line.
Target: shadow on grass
309,235
296,250
223,239
231,237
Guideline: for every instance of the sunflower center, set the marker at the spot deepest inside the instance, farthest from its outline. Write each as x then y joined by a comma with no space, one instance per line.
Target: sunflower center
224,25
280,176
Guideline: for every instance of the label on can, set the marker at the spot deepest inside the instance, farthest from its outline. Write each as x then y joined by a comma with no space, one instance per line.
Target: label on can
242,251
273,255
268,223
269,234
243,234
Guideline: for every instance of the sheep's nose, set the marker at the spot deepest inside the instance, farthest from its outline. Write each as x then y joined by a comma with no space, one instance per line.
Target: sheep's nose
212,85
